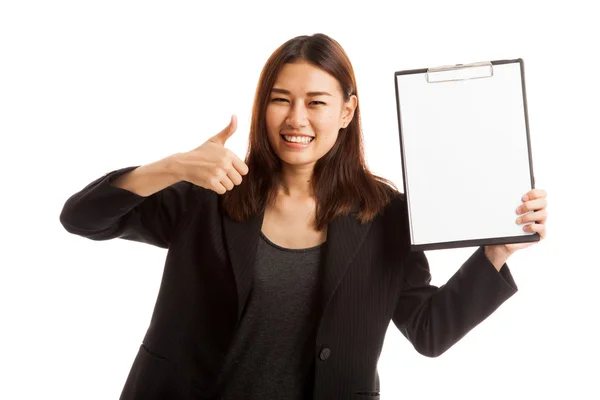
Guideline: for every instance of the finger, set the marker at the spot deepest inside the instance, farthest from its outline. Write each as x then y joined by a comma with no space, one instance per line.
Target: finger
226,133
239,165
216,185
538,216
539,228
234,176
532,205
534,194
227,183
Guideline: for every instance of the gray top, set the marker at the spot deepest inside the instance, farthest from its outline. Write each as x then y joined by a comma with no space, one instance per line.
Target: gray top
271,356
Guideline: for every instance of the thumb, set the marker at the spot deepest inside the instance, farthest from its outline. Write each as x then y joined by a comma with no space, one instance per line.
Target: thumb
226,133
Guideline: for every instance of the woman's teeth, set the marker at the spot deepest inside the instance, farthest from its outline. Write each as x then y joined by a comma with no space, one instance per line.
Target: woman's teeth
298,139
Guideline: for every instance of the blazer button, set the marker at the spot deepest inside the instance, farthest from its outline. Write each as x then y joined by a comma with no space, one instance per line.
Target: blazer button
325,353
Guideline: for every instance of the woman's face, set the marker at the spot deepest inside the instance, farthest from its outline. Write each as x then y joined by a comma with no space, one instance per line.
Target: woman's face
305,113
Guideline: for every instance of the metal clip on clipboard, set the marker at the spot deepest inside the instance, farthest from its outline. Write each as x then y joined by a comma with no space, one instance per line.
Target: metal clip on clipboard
460,72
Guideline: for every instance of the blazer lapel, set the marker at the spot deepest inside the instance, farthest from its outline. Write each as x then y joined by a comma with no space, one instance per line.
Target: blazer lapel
242,241
345,234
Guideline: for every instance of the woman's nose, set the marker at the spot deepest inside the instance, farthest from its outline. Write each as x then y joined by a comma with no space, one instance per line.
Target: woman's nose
297,116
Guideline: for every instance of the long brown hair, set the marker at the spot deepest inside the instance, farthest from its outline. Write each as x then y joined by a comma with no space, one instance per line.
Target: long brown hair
341,181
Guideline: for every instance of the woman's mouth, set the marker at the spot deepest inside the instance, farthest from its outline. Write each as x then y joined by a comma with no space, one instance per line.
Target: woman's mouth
297,139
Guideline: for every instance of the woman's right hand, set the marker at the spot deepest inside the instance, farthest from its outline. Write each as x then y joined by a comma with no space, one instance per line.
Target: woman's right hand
211,165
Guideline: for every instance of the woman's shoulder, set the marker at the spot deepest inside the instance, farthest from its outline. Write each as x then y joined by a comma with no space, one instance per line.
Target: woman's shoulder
195,196
390,226
394,211
396,198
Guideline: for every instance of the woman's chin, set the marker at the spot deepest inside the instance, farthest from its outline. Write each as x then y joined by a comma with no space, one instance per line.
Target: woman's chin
298,160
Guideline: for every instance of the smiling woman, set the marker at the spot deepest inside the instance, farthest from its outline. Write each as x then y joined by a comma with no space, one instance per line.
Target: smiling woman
284,271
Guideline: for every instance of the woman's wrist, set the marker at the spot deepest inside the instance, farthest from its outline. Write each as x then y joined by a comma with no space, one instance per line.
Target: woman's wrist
497,256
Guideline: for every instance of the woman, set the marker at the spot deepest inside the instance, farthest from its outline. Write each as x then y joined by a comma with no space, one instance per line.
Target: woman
284,271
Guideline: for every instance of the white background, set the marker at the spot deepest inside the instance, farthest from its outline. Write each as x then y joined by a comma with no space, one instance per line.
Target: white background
88,87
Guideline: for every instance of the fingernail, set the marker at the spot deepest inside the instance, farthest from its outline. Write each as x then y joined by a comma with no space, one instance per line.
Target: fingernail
519,220
525,198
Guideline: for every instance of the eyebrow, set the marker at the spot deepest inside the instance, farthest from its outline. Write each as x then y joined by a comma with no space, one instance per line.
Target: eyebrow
310,94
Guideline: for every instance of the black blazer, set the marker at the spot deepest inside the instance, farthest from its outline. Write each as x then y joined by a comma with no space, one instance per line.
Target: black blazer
368,279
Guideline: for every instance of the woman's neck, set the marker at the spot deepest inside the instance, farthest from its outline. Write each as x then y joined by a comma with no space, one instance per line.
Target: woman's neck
296,181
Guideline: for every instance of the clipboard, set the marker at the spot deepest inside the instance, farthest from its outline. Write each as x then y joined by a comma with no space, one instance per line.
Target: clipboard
466,153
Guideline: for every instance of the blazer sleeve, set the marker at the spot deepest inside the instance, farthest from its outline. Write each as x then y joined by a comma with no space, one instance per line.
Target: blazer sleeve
102,211
433,318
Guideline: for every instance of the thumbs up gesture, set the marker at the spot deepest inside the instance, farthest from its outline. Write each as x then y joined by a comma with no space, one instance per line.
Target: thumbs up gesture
211,165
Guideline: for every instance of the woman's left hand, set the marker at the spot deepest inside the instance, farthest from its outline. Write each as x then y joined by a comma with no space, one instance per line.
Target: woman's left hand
534,200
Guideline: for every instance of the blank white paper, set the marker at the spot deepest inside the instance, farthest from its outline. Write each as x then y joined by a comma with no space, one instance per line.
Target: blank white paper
466,157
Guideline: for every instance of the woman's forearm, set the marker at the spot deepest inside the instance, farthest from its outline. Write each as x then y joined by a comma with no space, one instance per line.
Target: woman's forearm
148,179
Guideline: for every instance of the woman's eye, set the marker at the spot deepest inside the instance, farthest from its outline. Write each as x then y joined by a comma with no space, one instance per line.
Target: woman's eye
282,100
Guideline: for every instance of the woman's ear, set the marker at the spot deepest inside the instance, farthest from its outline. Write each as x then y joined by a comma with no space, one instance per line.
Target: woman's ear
348,110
